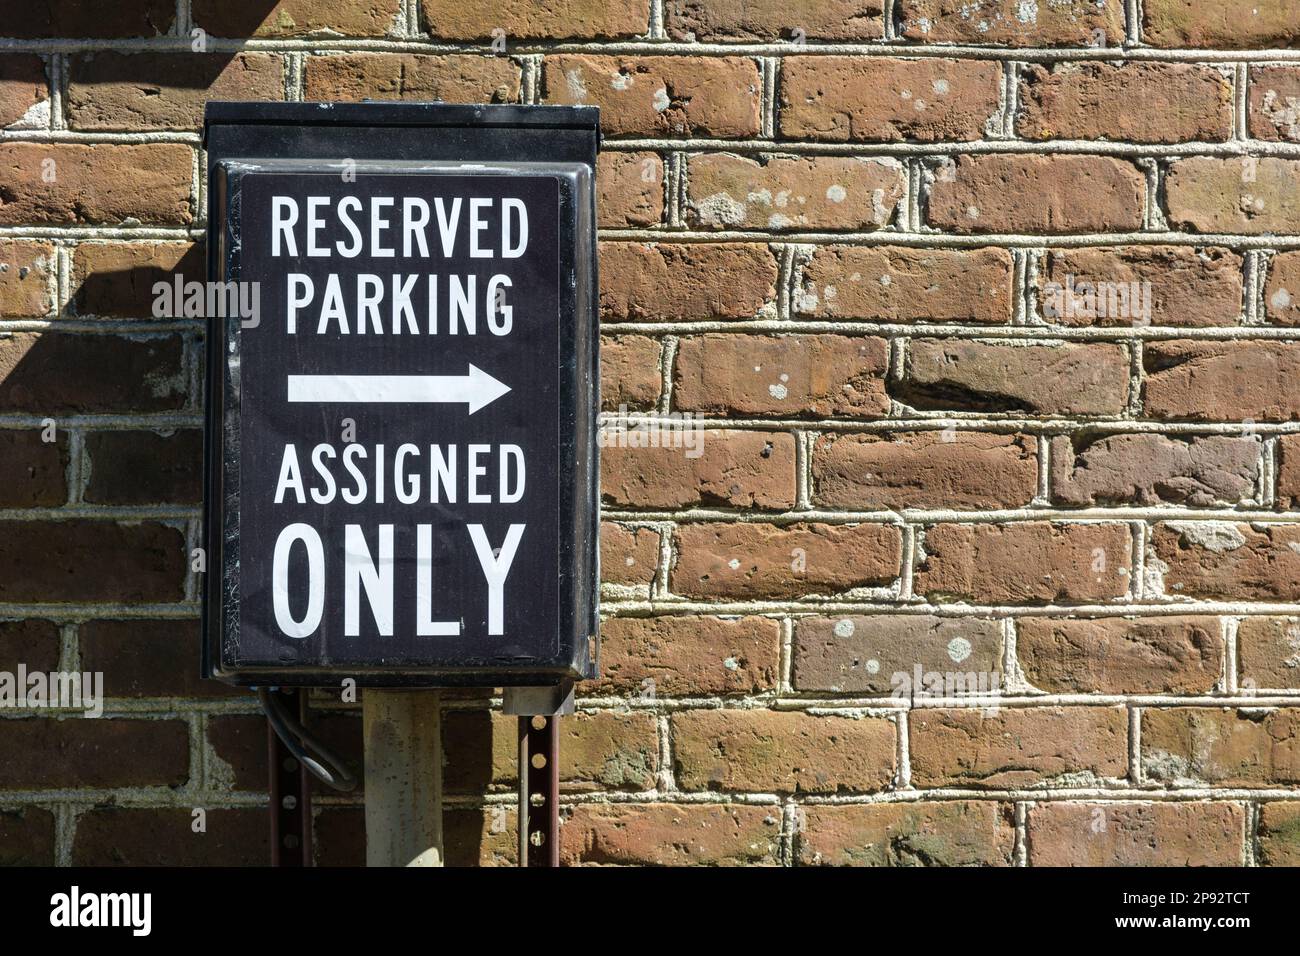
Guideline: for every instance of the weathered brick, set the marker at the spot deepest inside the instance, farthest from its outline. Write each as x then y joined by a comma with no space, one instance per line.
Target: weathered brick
116,279
27,837
671,835
471,837
1136,834
1274,103
867,654
1011,23
1025,562
1141,285
157,91
138,467
1282,290
629,372
782,751
33,472
740,20
1221,746
628,555
1268,653
884,99
687,656
148,659
134,18
930,469
629,189
753,560
26,273
24,91
295,18
106,183
728,468
1246,194
1228,561
673,282
42,753
951,833
50,373
555,19
1226,24
793,192
237,751
1017,747
659,95
455,78
1209,381
1055,195
1120,655
1288,471
606,750
87,560
785,376
1150,469
1039,379
130,836
37,644
1129,102
1279,834
901,284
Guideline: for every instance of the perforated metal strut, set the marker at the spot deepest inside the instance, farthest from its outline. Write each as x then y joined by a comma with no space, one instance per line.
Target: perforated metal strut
539,791
290,809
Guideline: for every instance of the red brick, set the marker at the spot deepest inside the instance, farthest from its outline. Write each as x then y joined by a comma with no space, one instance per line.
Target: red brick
1282,290
1221,746
721,468
1279,834
27,837
793,192
1129,102
951,833
123,836
1017,747
106,183
883,99
295,18
671,835
1151,469
687,656
1274,103
659,95
930,469
148,658
33,472
52,373
782,751
36,644
1228,561
1039,194
764,561
766,20
629,372
900,284
138,467
1117,655
1221,381
87,560
1011,23
555,19
629,189
44,753
1225,24
1136,834
238,755
1025,562
1288,471
782,376
26,275
129,18
455,78
865,653
1141,285
158,91
24,91
1246,194
1268,653
676,282
116,279
1038,379
628,555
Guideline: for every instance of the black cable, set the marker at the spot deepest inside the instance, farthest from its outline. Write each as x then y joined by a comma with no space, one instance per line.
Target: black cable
335,775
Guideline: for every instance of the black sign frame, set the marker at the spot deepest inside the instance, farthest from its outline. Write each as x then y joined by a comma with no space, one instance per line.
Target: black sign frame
409,139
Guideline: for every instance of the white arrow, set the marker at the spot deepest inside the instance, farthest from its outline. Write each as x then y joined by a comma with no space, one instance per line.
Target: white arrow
477,388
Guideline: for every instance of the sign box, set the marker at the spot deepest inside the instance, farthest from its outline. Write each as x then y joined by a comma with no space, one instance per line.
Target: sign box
401,480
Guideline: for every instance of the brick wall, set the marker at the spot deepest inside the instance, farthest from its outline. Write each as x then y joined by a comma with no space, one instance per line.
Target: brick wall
857,237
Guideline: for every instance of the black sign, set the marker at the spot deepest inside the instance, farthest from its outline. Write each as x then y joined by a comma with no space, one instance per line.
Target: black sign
407,422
